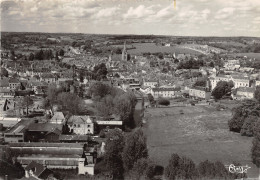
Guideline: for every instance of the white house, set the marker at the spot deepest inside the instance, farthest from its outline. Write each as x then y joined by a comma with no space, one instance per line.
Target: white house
165,92
81,125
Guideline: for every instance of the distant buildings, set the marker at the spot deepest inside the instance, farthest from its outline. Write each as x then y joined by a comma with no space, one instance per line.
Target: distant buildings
232,64
242,93
200,93
166,92
150,83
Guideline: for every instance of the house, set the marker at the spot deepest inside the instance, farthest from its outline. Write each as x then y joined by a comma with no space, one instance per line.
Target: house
166,92
6,93
58,118
232,64
43,132
48,78
37,171
199,93
17,133
240,81
37,87
150,83
14,83
81,125
243,93
214,80
257,83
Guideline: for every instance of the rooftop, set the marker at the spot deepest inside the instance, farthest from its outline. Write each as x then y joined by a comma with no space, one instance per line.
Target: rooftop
44,127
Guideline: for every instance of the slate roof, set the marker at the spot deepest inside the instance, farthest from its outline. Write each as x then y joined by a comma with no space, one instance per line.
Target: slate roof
73,137
44,127
38,169
166,89
47,75
79,119
13,80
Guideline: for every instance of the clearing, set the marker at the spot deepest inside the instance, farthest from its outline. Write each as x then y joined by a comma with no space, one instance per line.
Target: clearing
200,133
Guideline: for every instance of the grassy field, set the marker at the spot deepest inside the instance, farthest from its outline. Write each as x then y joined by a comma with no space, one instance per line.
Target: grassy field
249,55
200,133
152,48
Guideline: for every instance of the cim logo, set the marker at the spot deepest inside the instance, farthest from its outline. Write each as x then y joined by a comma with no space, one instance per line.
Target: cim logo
237,169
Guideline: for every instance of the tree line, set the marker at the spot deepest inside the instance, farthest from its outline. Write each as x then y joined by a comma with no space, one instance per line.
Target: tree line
246,121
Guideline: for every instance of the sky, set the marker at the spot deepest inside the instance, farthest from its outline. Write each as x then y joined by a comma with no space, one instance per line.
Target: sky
157,17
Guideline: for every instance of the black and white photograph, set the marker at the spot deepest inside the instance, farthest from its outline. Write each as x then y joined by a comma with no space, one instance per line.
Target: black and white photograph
130,90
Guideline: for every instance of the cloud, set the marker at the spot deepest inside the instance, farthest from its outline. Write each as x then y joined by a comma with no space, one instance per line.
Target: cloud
224,13
106,12
138,12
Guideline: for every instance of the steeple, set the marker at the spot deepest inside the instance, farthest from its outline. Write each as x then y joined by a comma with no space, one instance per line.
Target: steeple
124,53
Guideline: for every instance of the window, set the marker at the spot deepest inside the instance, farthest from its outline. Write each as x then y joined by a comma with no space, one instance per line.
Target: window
88,125
78,125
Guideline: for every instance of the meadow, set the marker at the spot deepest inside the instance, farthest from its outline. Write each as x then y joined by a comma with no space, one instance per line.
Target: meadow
200,133
153,48
250,55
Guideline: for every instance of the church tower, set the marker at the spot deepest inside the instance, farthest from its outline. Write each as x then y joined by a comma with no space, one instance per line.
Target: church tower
124,53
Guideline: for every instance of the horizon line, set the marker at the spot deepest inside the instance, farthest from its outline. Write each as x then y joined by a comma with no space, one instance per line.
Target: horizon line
119,34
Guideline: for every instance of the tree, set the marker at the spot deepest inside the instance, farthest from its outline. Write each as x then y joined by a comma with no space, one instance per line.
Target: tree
52,93
31,57
222,88
135,148
248,125
255,151
164,102
201,83
99,89
257,93
211,64
180,168
241,113
25,101
56,56
100,71
124,107
61,53
144,169
113,153
70,102
3,72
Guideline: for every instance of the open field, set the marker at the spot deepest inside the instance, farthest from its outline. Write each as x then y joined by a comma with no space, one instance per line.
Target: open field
152,48
200,133
249,55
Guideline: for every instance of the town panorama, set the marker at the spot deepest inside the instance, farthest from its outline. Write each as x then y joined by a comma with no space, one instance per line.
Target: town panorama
130,89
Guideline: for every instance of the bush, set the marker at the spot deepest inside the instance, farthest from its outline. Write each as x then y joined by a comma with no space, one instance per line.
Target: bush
164,102
180,168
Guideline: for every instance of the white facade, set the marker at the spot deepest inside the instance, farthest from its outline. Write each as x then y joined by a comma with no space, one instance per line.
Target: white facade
151,84
85,169
214,81
81,125
241,83
164,92
257,83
